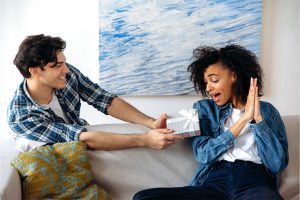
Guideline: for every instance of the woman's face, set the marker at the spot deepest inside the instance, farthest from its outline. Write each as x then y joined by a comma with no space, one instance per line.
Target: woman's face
219,84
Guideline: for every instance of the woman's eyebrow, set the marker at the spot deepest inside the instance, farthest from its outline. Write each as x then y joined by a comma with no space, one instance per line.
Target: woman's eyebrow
213,75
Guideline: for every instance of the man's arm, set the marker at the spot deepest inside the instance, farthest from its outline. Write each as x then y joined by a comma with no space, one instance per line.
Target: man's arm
126,112
118,108
155,139
109,103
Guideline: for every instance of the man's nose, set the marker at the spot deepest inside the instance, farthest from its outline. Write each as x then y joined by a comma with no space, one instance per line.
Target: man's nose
66,68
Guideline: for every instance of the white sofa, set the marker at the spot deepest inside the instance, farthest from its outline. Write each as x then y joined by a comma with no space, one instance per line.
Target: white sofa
122,173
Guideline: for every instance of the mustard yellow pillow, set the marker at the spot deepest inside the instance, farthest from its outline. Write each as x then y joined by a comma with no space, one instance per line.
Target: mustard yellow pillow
59,171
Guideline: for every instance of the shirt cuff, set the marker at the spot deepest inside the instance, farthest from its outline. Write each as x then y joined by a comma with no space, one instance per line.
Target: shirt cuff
228,138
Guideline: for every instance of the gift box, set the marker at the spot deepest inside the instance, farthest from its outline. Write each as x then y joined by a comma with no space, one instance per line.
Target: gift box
184,123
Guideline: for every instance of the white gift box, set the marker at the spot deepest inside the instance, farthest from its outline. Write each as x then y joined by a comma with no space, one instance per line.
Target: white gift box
185,123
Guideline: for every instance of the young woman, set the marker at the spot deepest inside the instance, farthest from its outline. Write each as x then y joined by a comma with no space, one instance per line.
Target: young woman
243,143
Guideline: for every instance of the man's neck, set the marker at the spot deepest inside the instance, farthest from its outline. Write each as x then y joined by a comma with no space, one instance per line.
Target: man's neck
40,93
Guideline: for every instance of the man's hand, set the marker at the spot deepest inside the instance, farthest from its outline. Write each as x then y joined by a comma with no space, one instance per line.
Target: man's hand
161,122
160,138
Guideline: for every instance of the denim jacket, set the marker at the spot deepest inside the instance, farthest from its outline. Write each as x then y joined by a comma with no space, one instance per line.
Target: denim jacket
270,137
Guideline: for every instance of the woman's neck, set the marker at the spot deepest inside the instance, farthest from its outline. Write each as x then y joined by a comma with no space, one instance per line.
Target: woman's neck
237,104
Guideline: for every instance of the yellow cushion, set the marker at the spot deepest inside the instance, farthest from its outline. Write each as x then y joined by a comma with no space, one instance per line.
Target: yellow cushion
59,171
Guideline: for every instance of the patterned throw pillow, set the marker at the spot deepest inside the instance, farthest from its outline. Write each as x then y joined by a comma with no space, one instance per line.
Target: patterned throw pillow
59,171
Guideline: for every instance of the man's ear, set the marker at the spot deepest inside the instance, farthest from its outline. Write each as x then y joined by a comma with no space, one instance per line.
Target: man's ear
33,71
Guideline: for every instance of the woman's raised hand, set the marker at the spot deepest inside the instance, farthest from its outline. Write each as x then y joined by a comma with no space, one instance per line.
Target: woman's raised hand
252,107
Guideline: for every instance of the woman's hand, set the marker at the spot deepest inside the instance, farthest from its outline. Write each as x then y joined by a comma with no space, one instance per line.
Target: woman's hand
252,107
257,115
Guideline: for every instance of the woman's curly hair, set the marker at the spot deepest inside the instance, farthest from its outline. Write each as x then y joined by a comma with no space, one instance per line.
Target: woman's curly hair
234,57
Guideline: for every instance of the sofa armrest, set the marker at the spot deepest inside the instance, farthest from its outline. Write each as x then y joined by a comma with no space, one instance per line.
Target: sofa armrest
10,183
289,178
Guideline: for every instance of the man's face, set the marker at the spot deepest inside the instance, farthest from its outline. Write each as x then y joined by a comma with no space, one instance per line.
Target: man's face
54,74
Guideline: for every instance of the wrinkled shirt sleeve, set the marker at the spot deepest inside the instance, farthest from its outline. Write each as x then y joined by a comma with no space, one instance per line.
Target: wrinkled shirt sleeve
208,149
271,140
35,126
91,92
209,146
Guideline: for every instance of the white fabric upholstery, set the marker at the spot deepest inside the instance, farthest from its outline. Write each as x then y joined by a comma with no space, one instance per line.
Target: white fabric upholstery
10,183
124,172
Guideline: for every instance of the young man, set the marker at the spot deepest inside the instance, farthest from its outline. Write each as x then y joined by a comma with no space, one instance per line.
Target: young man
46,105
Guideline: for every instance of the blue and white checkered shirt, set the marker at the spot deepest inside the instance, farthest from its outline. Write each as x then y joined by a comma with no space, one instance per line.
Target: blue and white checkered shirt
36,122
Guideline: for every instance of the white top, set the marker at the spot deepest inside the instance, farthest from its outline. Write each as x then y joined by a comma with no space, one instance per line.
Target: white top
245,147
55,106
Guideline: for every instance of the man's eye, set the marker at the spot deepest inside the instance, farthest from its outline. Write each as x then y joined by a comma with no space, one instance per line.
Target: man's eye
58,65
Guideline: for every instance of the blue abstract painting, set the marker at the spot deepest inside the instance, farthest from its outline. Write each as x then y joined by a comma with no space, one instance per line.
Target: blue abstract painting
146,45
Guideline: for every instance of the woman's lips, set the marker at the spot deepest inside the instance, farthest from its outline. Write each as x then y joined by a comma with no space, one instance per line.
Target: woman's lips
216,97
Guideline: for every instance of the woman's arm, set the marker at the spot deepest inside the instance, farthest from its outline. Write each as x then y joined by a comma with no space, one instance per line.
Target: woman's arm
271,140
208,149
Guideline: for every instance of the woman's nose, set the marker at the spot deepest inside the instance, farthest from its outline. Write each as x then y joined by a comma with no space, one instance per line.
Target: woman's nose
208,87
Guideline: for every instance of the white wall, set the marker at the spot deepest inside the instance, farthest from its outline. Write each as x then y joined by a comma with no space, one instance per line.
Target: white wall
76,21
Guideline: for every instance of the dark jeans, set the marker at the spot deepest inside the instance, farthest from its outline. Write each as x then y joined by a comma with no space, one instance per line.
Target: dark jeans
239,180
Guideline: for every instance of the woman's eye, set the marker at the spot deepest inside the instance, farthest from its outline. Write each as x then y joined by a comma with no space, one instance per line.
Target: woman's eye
215,81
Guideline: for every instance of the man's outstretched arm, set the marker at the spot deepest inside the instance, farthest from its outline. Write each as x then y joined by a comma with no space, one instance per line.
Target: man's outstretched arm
122,110
155,139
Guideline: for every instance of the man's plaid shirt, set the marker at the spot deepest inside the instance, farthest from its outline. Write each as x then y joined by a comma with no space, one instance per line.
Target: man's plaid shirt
36,122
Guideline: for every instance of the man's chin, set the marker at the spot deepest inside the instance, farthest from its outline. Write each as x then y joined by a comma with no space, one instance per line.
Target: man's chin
60,87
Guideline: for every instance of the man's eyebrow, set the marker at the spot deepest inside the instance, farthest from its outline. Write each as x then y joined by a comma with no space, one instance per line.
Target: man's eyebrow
58,63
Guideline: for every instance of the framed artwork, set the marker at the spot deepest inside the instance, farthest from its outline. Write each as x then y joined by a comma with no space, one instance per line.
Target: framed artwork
146,45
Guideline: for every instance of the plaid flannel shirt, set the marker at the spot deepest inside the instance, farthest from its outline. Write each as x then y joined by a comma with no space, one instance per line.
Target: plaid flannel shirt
36,122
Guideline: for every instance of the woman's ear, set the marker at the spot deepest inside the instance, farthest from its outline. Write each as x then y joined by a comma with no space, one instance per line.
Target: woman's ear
233,77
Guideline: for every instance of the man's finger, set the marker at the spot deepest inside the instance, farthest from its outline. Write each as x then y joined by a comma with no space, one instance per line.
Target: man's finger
165,130
173,137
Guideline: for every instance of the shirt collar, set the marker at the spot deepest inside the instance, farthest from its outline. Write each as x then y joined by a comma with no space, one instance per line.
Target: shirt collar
30,98
228,105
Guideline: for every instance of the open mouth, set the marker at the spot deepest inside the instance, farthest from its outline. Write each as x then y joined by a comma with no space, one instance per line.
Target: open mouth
216,96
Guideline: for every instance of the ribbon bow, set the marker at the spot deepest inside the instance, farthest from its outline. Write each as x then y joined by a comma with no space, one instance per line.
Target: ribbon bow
191,117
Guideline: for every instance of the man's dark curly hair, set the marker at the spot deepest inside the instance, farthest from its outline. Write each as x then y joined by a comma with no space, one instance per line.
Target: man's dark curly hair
37,51
234,57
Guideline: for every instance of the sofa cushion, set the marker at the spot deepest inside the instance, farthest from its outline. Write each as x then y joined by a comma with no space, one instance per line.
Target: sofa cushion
57,171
